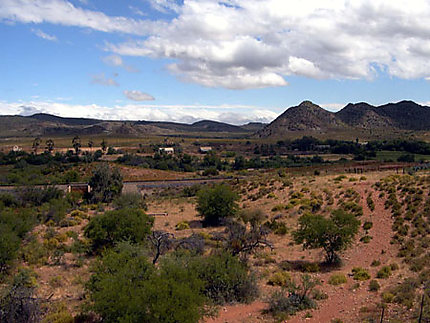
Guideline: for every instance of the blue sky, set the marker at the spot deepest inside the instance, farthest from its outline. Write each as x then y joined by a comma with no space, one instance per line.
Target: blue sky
234,61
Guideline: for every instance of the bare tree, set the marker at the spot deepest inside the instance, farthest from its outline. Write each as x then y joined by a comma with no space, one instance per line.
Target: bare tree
76,143
243,239
103,145
90,144
36,144
161,242
49,145
20,306
194,243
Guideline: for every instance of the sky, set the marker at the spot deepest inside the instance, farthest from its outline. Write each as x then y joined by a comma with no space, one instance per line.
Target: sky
234,61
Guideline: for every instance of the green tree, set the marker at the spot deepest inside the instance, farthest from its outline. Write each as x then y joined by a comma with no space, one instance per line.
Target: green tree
217,203
90,144
76,143
332,234
106,184
126,287
106,229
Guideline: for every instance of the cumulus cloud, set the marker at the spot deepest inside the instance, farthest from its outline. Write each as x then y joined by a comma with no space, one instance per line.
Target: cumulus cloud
43,35
101,79
241,44
251,44
176,113
138,96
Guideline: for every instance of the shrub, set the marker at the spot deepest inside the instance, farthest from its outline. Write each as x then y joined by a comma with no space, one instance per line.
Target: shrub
279,278
129,201
106,229
366,239
35,196
225,278
384,272
125,287
59,313
17,302
387,297
375,263
374,286
216,204
367,225
183,225
337,279
9,244
297,299
394,266
360,274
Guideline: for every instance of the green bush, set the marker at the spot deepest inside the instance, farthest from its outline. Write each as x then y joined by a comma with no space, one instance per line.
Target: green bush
374,286
282,304
183,225
129,201
337,279
375,263
360,274
126,287
225,278
216,204
387,297
106,229
9,244
58,314
367,225
384,272
279,278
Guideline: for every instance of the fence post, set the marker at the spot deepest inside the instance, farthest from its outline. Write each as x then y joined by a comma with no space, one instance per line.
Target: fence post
382,314
421,309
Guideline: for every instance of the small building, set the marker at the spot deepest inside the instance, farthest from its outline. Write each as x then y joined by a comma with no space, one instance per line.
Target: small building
82,188
166,150
205,150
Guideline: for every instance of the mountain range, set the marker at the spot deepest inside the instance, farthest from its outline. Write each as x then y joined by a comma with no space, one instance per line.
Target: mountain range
306,118
310,118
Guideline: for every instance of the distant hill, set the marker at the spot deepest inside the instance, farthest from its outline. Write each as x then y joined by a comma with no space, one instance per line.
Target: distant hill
253,126
42,124
304,117
310,118
215,126
66,121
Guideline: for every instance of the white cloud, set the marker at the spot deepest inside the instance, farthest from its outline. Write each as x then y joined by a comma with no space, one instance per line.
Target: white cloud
117,61
64,13
138,96
164,5
241,44
113,60
43,35
101,79
176,113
